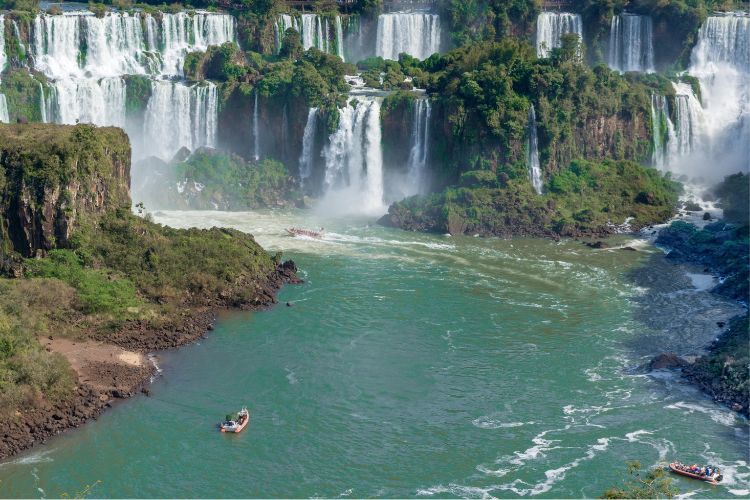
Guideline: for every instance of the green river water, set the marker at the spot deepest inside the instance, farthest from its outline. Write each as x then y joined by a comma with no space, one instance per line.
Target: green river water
409,366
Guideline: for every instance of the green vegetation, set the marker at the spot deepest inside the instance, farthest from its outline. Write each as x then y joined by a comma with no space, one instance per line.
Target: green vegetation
223,63
231,183
589,198
653,484
28,309
723,373
23,93
98,270
477,20
137,94
482,94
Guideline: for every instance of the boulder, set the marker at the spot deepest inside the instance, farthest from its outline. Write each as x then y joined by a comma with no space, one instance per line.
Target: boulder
667,361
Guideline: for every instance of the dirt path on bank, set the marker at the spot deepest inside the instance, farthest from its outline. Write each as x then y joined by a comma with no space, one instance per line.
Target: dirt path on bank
104,367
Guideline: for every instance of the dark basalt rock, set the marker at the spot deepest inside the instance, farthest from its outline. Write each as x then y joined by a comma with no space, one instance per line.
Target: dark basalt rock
667,361
596,244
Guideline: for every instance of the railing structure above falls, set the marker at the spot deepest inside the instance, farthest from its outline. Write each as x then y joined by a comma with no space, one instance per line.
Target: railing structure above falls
405,5
558,4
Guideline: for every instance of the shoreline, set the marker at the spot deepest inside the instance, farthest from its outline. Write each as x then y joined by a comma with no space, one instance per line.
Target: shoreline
687,333
108,372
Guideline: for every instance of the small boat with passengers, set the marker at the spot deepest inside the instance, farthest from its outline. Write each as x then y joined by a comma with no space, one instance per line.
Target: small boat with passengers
236,424
295,231
708,474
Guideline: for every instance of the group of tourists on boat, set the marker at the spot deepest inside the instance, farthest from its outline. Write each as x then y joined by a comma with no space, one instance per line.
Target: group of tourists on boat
707,473
236,424
295,231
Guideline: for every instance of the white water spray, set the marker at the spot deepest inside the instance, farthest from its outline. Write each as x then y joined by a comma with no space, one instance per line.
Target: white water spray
306,160
550,26
631,45
420,138
535,171
354,159
86,57
415,33
256,129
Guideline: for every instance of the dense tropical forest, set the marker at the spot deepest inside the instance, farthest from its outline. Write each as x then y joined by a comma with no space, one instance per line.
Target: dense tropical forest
489,129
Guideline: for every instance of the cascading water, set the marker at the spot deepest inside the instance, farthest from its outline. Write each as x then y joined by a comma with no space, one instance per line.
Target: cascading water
256,130
4,118
314,30
550,26
339,39
663,132
689,127
415,33
306,160
86,57
179,116
631,45
283,23
420,139
535,171
354,159
721,62
3,56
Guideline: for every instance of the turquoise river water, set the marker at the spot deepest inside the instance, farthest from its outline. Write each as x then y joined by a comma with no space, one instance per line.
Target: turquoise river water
409,366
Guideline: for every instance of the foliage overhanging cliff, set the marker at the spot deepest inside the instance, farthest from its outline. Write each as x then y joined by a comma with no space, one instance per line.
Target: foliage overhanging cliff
99,271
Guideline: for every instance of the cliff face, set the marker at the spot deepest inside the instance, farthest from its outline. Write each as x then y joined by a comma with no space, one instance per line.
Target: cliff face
52,177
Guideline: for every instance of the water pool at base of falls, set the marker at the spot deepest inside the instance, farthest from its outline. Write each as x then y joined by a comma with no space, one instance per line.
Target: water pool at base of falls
409,365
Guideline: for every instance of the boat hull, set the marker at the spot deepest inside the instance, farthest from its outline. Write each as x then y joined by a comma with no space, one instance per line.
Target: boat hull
673,467
239,428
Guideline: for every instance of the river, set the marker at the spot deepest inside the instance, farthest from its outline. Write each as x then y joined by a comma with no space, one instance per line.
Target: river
408,365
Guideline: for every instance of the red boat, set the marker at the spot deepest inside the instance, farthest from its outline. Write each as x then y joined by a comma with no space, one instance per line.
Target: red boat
294,231
686,471
237,424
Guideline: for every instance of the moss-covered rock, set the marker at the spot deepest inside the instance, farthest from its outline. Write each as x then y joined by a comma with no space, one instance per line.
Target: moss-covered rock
24,93
54,176
588,198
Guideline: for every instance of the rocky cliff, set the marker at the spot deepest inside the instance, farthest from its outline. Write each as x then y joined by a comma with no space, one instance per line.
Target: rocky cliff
100,273
52,177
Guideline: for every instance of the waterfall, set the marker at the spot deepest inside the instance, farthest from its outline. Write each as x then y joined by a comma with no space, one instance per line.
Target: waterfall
339,39
663,132
182,33
306,160
101,102
3,56
283,23
256,129
4,118
17,34
178,116
550,26
415,33
631,45
535,172
420,138
721,62
354,158
43,104
689,127
314,30
86,57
